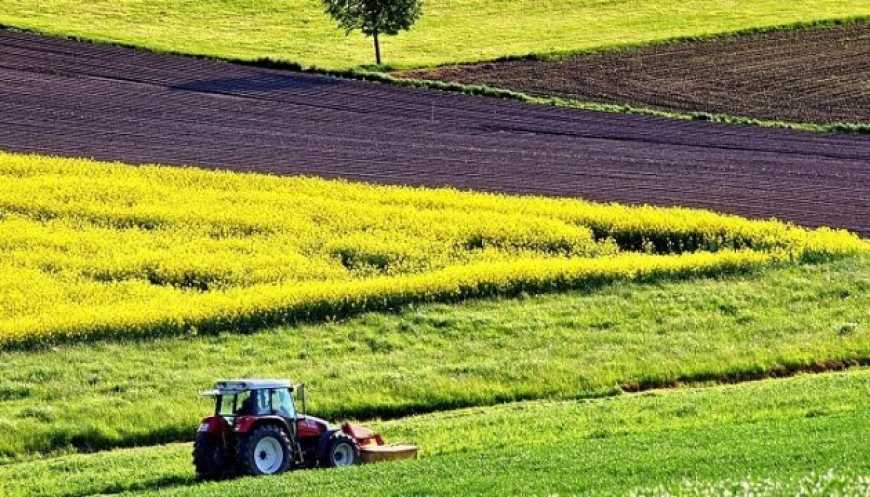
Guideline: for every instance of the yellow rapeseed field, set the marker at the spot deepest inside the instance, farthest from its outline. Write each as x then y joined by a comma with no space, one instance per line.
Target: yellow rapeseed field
94,249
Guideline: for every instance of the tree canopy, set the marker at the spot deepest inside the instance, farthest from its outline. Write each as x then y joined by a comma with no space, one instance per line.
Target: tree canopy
374,17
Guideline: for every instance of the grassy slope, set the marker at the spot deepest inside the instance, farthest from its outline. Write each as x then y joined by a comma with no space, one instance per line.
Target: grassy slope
439,357
777,430
450,31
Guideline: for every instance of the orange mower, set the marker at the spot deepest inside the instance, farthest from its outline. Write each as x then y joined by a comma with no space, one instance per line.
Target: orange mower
257,430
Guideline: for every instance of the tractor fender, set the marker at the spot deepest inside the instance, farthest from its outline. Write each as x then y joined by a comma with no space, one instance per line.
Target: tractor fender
214,424
245,424
308,427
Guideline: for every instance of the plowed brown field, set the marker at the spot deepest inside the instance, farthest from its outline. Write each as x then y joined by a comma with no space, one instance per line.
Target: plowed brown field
67,98
810,75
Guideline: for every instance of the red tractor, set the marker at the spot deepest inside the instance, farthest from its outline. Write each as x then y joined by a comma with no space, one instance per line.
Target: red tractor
257,430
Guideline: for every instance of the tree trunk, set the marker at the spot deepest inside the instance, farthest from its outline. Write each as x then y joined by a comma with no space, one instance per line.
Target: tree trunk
377,49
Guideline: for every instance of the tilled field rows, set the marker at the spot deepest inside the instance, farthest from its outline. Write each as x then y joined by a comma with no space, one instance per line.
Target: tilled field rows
68,98
804,75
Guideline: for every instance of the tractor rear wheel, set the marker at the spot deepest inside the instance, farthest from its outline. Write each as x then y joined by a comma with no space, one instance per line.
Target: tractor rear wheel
265,451
340,451
210,457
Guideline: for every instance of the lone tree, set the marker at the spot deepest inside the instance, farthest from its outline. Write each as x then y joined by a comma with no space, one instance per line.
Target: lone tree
374,17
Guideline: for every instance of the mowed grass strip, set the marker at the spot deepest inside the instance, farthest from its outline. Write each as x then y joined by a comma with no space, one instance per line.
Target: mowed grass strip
451,31
772,436
438,357
95,250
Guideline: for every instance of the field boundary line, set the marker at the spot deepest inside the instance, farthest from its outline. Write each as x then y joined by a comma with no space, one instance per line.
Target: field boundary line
383,74
829,22
446,286
719,118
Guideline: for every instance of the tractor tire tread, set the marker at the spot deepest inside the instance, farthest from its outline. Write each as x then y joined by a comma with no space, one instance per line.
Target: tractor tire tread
210,458
339,437
246,445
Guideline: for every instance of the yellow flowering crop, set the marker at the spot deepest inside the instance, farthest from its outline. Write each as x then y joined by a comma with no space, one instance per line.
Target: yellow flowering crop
94,249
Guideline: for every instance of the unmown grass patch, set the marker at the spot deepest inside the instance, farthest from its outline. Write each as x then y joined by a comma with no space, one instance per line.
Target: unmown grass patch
451,31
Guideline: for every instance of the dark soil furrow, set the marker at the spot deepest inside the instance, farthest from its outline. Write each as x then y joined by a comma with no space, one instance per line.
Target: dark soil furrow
68,98
816,75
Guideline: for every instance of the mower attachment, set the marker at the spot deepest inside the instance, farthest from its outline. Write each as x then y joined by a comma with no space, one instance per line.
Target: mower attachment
372,447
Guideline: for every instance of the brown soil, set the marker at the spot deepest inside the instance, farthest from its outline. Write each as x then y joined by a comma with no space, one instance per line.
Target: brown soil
75,99
819,75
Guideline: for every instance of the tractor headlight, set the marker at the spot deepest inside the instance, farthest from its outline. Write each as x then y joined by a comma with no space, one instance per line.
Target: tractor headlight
203,427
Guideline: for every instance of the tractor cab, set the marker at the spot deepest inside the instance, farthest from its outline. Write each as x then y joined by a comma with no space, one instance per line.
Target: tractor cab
238,398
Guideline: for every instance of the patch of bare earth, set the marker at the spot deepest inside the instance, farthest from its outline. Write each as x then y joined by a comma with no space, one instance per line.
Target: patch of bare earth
819,75
60,97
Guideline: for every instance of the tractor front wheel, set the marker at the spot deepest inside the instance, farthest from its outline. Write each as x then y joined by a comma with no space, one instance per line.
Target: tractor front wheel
265,451
340,451
210,457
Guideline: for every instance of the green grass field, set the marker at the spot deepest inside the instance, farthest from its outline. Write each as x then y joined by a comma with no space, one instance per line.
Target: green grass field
438,357
531,395
771,437
450,30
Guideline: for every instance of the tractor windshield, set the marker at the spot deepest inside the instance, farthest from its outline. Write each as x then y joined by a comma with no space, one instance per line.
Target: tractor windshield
249,402
226,405
282,403
256,403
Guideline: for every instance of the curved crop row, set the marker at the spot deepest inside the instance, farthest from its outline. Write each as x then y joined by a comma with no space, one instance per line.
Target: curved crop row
93,249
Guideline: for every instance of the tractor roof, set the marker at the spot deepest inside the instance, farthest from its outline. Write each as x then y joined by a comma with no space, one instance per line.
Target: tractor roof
235,386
